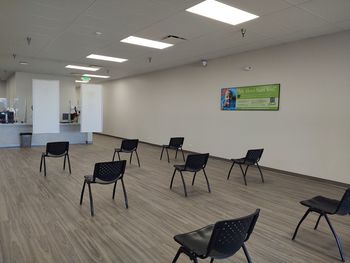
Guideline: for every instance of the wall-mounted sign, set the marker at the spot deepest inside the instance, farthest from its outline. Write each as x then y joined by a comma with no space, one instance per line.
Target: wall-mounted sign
261,97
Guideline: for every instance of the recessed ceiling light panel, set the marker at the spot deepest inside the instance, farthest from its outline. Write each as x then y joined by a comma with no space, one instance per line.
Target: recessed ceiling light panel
83,68
221,12
107,58
146,42
96,76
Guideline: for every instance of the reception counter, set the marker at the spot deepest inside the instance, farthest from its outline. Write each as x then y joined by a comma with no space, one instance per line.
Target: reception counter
9,134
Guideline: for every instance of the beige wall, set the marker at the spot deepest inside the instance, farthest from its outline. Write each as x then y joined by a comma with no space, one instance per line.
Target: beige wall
2,89
308,135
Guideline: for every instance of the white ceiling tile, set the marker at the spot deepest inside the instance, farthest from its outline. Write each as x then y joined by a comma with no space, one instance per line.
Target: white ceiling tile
344,24
331,10
184,25
258,7
63,31
296,2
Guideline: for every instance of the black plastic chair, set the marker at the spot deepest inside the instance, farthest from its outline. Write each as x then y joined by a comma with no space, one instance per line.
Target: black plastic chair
252,158
218,241
175,144
56,150
128,146
105,173
194,163
325,206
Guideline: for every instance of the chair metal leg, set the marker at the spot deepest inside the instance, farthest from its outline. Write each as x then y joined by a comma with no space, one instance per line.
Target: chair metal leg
183,181
137,157
195,260
229,173
161,155
70,169
44,166
176,153
114,155
183,155
245,171
246,253
131,157
177,255
262,177
167,154
212,260
172,179
206,178
245,180
118,156
318,221
301,220
194,177
115,185
64,162
91,201
125,196
82,193
41,163
337,239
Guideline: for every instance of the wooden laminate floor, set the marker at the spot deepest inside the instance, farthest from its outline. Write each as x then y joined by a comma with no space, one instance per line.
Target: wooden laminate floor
41,220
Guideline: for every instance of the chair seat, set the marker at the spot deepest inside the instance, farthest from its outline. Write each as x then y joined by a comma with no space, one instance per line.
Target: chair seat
171,147
181,167
90,179
239,161
196,241
123,150
52,155
322,204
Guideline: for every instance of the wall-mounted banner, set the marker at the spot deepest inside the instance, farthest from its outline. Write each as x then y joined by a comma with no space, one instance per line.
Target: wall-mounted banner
262,97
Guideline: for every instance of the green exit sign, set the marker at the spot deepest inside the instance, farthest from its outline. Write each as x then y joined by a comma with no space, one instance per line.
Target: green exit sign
85,78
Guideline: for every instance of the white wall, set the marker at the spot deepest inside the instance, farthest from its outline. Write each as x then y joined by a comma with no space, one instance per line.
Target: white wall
24,90
2,89
308,135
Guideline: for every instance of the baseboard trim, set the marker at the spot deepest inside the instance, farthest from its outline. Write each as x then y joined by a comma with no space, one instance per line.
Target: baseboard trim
304,176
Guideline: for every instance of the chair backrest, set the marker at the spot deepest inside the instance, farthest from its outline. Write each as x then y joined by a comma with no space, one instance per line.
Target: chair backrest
254,155
228,236
109,171
129,144
344,204
196,161
57,148
176,142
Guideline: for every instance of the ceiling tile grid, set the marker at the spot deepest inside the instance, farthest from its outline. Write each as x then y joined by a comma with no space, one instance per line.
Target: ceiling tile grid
64,32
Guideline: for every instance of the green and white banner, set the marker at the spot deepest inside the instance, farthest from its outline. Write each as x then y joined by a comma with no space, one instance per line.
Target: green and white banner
261,97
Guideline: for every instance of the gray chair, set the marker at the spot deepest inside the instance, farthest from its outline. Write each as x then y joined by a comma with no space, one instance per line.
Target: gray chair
218,241
105,173
56,150
325,206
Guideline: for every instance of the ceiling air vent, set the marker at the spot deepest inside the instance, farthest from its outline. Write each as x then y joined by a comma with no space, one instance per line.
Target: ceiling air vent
173,39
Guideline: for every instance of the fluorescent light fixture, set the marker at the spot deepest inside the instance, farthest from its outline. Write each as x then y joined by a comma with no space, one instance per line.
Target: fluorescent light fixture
221,12
107,58
83,68
81,81
146,42
96,76
23,63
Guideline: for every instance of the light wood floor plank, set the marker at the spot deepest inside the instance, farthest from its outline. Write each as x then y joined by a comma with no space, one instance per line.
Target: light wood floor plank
41,219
